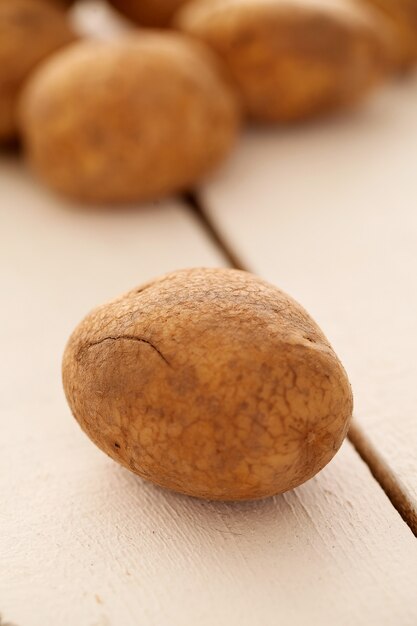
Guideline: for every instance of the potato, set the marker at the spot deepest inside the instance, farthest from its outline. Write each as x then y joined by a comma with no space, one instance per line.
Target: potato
64,2
148,12
30,30
292,59
210,382
403,16
134,119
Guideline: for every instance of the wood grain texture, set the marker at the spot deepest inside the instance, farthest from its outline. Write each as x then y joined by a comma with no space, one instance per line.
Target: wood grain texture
328,213
83,541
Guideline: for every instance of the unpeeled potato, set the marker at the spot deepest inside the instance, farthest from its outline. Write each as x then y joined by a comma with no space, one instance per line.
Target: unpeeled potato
30,30
154,13
292,59
210,382
130,120
402,14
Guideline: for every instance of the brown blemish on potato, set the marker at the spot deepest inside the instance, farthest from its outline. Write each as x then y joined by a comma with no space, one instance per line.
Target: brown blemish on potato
248,407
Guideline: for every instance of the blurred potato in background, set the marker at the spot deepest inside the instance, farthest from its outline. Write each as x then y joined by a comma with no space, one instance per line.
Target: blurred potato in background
30,30
402,15
148,12
292,59
136,119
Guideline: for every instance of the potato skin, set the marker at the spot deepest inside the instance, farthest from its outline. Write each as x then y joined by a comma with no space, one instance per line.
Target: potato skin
156,13
402,14
130,120
210,382
30,30
291,59
66,3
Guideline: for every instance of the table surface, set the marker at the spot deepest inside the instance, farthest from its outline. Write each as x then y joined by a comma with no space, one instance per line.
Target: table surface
328,212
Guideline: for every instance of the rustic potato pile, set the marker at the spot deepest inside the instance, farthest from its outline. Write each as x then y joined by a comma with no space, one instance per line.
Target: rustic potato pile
153,112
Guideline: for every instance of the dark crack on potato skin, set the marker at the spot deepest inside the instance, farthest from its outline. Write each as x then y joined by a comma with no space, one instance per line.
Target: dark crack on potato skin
248,399
124,338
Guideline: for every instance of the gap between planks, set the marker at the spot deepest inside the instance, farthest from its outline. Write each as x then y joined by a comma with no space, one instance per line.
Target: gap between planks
361,443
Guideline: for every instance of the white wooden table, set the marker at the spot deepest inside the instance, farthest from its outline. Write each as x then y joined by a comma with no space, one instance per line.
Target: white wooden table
327,212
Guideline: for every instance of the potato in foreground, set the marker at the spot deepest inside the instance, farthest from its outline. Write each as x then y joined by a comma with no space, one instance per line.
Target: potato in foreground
403,16
210,382
129,120
148,12
30,30
292,59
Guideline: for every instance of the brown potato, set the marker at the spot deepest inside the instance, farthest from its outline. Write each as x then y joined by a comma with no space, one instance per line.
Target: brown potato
130,120
402,14
64,2
210,382
30,30
292,59
148,12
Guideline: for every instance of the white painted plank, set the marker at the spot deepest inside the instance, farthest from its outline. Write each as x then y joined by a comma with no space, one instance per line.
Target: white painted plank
92,545
83,541
329,213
